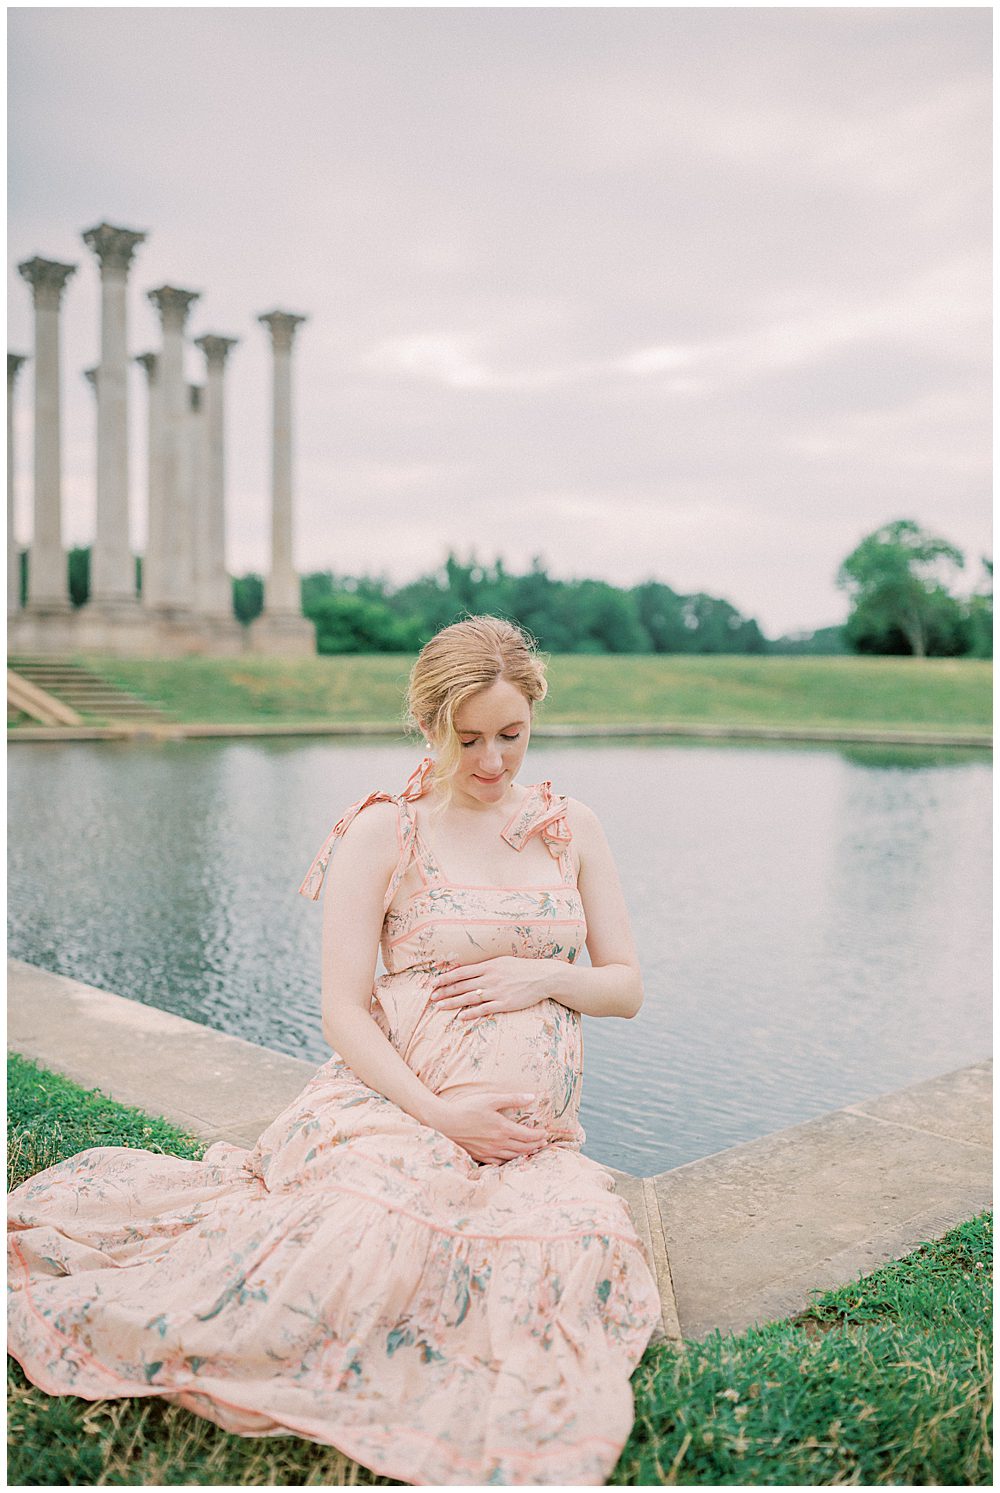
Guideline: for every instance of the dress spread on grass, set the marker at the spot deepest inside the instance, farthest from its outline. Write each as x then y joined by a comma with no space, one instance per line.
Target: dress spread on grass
355,1277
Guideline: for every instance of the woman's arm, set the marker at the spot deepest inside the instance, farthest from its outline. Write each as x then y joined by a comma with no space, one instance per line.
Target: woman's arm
356,882
613,984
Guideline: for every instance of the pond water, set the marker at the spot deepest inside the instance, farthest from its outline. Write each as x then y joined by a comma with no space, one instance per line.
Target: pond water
813,923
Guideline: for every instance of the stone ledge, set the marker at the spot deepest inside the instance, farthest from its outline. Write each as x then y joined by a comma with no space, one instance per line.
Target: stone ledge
753,1230
833,736
740,1237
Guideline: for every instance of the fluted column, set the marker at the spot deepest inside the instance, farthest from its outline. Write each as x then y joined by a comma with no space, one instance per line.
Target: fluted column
48,584
174,402
112,569
282,593
213,591
14,361
91,375
154,561
197,460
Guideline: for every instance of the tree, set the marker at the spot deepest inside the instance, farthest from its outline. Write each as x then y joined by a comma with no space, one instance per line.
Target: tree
661,612
898,600
248,597
715,626
78,574
353,624
605,619
979,616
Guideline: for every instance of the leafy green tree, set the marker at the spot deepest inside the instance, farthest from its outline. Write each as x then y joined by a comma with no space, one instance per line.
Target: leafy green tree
603,619
899,603
715,626
355,624
78,566
248,597
979,615
661,612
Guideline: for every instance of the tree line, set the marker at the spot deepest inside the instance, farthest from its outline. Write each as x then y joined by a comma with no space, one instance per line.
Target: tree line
897,580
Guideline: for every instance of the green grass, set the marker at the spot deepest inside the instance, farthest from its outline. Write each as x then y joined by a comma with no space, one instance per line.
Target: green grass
894,693
883,1381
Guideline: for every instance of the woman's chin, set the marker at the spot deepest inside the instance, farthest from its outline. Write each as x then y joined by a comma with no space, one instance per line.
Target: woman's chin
480,788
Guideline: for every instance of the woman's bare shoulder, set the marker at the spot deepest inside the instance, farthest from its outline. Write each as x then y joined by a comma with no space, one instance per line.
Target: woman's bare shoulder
374,831
583,822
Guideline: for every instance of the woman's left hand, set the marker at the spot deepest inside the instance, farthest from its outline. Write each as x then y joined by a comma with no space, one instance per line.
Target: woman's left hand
502,984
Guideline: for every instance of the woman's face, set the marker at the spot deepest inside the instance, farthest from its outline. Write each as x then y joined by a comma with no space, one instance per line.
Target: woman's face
493,727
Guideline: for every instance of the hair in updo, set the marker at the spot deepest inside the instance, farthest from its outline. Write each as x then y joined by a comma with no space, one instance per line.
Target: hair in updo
458,662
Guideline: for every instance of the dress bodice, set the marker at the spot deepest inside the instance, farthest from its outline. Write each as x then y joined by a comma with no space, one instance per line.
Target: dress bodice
431,922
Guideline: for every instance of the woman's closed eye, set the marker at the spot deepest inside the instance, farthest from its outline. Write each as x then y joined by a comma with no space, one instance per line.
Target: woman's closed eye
515,737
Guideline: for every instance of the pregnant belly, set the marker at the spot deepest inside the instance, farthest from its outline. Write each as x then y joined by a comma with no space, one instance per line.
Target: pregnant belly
538,1050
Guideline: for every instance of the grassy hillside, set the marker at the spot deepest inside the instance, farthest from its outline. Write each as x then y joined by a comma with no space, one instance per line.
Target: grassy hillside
727,689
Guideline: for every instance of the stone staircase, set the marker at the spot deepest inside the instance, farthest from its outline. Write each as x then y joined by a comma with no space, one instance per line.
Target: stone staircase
85,692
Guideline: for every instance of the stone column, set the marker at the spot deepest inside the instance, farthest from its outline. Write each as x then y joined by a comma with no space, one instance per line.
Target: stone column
154,561
91,375
282,595
213,590
194,477
173,306
112,569
48,583
14,361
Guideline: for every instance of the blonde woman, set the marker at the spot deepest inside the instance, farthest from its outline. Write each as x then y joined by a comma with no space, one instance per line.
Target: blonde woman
415,1263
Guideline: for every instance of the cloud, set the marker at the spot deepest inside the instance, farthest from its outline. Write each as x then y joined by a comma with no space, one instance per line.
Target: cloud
667,290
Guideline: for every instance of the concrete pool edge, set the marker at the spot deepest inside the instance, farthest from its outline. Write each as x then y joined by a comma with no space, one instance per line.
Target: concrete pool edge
195,730
739,1237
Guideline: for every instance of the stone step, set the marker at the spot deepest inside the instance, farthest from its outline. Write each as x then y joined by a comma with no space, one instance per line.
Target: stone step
85,692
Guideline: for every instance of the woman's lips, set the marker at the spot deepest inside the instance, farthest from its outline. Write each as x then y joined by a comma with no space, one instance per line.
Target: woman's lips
481,779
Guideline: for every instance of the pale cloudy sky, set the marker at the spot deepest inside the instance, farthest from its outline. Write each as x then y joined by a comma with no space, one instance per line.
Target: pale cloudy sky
699,294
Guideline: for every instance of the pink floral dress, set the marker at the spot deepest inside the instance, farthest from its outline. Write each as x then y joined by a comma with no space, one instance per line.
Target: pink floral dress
356,1278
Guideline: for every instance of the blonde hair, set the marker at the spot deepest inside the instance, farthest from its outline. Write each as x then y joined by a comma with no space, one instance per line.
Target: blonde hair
457,663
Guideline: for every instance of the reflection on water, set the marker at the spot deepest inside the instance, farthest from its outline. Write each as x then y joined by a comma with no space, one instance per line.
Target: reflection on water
813,922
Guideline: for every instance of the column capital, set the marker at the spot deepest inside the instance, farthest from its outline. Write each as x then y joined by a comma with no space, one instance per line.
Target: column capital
216,349
173,305
47,278
90,374
282,325
14,361
114,247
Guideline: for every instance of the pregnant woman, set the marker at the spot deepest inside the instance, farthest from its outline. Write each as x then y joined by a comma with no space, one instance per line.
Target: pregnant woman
415,1263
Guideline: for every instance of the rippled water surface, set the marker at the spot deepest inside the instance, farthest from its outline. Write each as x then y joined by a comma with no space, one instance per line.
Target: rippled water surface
813,922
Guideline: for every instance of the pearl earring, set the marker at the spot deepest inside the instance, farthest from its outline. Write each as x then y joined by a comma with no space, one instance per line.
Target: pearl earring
427,745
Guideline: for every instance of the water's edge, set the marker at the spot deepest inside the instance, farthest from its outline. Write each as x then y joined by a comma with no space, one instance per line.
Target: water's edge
739,1237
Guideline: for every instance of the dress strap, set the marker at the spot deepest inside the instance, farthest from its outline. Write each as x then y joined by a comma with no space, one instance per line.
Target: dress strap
313,882
544,813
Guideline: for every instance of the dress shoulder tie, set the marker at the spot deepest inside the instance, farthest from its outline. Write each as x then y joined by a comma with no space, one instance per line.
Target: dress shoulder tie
543,813
312,885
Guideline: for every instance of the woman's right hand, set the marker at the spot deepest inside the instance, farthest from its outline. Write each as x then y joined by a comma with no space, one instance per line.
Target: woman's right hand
475,1122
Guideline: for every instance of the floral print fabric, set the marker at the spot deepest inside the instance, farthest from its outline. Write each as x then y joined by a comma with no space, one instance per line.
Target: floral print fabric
355,1277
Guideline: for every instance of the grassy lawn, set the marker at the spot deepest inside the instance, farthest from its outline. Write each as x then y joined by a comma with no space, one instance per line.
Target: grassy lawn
952,694
884,1381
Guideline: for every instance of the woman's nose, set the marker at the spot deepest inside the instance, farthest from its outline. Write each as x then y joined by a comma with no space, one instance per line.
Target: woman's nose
492,761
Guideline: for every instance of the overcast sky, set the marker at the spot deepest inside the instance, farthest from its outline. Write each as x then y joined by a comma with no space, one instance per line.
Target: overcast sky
694,294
